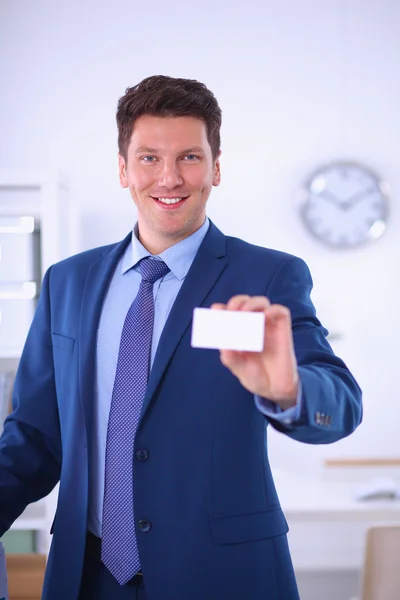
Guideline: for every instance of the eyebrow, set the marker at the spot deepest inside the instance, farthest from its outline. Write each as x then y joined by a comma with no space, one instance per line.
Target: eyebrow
149,150
146,149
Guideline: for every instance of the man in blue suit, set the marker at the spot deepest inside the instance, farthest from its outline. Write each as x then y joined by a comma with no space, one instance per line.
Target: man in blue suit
160,449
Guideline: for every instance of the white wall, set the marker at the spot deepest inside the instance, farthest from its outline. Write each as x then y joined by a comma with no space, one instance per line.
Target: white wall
299,83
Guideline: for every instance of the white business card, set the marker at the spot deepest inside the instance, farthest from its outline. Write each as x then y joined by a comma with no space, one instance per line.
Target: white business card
228,329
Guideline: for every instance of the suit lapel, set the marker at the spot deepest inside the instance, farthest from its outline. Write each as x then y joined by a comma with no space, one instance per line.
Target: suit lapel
97,281
207,266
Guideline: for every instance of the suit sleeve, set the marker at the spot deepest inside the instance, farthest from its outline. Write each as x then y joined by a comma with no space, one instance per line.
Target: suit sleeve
331,406
30,445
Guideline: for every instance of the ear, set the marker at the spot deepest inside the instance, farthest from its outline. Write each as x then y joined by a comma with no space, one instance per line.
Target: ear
123,179
217,171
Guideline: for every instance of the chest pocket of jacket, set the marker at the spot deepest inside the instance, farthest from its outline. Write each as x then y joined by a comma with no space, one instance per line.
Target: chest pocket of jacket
63,341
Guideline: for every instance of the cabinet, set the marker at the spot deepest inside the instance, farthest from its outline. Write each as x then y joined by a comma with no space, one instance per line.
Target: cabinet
35,232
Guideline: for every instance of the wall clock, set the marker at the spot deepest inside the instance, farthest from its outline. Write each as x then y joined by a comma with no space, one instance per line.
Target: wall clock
345,204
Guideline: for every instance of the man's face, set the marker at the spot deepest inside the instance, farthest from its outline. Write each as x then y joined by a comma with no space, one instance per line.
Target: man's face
170,172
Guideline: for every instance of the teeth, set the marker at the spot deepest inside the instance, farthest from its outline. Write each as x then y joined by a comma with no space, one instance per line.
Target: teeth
169,200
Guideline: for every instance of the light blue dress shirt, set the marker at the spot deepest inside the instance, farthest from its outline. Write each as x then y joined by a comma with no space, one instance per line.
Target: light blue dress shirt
122,291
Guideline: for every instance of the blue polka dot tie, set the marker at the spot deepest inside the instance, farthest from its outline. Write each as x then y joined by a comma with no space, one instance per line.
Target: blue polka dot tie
119,551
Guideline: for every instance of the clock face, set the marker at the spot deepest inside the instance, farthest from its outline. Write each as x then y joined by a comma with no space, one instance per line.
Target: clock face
345,205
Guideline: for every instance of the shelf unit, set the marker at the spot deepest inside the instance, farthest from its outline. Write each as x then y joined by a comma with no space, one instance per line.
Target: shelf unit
45,197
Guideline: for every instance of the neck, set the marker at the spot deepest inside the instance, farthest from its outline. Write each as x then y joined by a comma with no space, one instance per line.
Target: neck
155,244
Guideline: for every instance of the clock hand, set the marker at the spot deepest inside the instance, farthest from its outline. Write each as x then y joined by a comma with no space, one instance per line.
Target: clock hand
331,198
356,198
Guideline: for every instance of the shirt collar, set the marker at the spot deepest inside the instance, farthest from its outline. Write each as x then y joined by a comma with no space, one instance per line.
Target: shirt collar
178,257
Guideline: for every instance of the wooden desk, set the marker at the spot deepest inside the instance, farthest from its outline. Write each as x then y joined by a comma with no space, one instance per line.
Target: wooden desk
327,526
25,576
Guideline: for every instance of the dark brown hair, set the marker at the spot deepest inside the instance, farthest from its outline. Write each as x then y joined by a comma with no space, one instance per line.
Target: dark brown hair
164,96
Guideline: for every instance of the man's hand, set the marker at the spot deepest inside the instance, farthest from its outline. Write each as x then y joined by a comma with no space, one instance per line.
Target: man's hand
272,373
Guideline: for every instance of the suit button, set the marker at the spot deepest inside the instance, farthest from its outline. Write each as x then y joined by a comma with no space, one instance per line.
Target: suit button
142,454
144,525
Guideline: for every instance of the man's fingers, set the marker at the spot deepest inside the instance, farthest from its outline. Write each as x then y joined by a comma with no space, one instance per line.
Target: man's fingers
236,302
273,312
248,303
218,306
277,313
256,304
231,358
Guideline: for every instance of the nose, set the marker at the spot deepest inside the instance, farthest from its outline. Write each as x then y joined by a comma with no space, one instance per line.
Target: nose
170,175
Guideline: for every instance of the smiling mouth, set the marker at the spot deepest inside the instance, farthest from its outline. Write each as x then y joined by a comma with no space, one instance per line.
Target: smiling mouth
169,201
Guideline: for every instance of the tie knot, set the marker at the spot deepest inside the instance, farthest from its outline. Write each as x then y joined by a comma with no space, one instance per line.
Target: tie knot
152,269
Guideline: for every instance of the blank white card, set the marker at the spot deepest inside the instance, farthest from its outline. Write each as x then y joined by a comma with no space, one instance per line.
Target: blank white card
228,329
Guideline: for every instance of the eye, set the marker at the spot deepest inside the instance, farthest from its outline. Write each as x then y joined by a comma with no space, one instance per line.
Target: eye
191,157
148,159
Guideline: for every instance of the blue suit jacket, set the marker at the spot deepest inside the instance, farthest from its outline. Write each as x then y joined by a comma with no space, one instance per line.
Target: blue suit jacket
217,528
